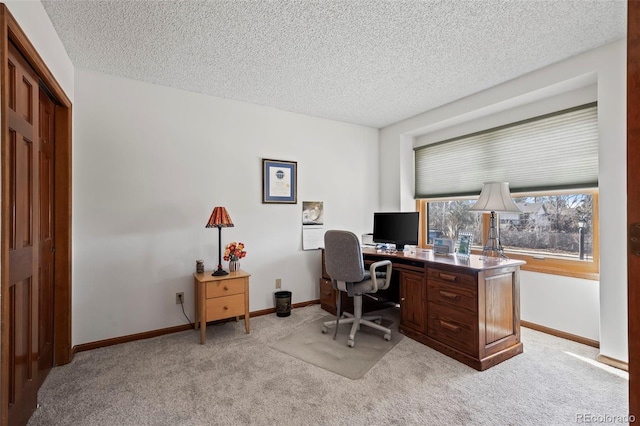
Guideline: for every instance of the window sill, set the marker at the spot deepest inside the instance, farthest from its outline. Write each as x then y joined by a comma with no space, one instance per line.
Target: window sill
554,266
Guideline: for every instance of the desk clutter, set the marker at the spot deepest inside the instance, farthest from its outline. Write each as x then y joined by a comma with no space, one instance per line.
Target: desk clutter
444,246
386,248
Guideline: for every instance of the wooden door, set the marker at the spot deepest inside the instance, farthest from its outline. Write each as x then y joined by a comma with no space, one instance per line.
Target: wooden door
23,238
633,202
20,210
46,240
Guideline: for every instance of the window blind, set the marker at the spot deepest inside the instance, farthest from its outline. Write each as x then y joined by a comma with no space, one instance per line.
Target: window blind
550,152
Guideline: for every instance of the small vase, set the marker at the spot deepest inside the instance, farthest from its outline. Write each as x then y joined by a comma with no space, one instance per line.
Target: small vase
234,265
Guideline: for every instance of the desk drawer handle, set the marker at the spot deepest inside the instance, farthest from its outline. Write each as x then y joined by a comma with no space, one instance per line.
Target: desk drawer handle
449,295
226,308
448,277
226,288
449,326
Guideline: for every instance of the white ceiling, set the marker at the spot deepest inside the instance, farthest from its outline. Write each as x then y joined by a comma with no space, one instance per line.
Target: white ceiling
369,62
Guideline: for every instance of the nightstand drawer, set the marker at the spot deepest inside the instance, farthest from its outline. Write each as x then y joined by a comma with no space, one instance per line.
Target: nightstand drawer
225,307
458,296
225,288
452,327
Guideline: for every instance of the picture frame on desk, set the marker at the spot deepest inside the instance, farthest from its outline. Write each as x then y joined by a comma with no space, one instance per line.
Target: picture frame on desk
443,246
465,239
279,182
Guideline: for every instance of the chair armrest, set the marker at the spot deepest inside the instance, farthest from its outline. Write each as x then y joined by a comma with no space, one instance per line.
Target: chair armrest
374,279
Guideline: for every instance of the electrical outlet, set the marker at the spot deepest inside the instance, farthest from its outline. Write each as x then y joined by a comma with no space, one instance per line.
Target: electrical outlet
278,282
179,298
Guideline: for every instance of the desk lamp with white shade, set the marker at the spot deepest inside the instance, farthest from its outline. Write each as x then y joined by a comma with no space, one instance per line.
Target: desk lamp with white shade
494,198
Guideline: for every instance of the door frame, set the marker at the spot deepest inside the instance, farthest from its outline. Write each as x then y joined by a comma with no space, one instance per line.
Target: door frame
62,350
633,202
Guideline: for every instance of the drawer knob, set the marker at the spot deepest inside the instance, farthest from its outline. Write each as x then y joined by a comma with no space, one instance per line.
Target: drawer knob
449,295
226,308
449,326
226,288
448,277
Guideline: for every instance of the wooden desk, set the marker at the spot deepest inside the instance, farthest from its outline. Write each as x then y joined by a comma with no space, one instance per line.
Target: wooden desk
466,309
220,297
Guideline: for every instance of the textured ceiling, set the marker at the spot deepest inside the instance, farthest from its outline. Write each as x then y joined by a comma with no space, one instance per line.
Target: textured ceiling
367,62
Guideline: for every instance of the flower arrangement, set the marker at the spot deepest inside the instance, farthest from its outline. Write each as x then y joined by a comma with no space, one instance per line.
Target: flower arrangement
234,251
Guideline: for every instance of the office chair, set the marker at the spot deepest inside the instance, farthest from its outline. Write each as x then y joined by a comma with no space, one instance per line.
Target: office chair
344,264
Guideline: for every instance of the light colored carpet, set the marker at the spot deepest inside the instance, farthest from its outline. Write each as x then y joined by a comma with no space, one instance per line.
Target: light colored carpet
238,379
311,345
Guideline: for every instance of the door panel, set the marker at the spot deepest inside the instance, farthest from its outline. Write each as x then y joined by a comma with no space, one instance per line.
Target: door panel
46,242
413,295
23,120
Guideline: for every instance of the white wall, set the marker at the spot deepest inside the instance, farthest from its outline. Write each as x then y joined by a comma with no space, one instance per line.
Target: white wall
149,165
562,303
546,299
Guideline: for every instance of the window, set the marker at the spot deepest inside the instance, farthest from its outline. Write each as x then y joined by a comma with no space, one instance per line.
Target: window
555,233
551,164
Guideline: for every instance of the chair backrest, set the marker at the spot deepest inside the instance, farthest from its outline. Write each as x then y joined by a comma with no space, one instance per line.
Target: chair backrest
343,256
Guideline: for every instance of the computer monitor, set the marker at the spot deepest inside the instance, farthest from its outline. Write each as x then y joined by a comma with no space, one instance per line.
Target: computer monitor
399,228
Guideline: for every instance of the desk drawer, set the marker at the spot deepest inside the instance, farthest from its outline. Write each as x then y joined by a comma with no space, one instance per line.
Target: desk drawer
225,287
327,293
225,307
459,296
451,277
453,327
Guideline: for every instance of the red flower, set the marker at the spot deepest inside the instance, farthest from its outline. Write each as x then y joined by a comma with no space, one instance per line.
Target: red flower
234,251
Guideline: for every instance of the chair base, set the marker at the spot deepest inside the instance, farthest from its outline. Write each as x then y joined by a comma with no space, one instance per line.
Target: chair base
357,320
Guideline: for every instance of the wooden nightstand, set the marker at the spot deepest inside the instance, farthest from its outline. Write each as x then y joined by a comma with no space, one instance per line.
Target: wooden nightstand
220,297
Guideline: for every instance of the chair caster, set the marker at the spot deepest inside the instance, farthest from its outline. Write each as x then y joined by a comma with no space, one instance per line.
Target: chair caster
387,337
324,329
351,343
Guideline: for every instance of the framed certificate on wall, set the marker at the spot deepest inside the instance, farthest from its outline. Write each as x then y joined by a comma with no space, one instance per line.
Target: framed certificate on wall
279,182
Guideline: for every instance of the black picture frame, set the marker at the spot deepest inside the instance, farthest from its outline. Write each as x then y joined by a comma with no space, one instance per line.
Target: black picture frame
279,182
